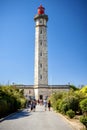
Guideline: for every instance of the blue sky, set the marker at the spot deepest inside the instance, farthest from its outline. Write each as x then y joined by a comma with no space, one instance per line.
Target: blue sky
67,41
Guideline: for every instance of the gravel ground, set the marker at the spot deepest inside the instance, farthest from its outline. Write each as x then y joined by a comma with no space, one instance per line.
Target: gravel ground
76,124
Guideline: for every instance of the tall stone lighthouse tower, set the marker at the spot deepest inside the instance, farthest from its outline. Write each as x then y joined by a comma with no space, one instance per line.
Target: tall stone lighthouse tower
41,54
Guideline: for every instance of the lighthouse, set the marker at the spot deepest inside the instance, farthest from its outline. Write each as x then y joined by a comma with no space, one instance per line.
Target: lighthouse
41,89
41,54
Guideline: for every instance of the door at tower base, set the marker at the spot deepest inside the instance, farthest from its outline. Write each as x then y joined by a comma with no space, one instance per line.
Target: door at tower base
42,93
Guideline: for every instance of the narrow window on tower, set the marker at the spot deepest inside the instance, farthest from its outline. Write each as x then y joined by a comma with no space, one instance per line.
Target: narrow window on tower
41,43
40,21
40,65
40,76
40,53
41,31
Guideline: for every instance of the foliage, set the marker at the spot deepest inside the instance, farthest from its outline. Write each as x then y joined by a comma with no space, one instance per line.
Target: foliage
11,99
83,105
73,87
70,113
69,102
63,101
63,106
72,102
84,90
55,100
83,119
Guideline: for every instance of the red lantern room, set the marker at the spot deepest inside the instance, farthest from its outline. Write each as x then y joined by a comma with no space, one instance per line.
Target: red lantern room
41,9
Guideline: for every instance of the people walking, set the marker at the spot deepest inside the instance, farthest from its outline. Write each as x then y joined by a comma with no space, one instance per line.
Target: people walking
34,105
27,105
31,105
45,104
49,105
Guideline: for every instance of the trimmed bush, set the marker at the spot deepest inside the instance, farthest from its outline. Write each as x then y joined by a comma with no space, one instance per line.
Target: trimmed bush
70,113
83,119
11,99
56,99
63,106
83,105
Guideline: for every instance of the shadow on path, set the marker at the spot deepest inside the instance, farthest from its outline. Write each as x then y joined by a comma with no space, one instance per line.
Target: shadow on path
18,115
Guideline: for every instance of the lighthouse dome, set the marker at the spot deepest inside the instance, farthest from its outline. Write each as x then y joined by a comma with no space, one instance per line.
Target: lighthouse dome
41,9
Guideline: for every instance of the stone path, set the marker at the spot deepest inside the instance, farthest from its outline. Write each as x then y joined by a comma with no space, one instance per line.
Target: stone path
39,120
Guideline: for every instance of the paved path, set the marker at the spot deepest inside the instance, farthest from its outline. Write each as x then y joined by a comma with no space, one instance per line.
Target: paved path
39,120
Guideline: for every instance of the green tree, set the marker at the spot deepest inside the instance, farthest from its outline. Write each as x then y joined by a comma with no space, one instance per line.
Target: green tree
73,87
56,99
83,105
11,99
84,90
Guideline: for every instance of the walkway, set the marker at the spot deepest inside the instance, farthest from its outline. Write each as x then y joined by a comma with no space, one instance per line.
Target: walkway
39,120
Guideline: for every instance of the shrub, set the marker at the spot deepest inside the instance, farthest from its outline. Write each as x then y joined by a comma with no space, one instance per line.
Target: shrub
73,87
83,119
70,113
11,99
55,100
83,105
84,89
73,103
56,105
63,106
3,107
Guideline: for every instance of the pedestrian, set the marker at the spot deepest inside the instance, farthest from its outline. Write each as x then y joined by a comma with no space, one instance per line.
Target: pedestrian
34,105
27,106
38,102
49,105
45,104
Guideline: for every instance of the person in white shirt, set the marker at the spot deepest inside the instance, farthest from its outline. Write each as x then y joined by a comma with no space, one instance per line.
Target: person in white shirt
45,104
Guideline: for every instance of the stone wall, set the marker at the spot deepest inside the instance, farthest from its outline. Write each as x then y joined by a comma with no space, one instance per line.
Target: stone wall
32,91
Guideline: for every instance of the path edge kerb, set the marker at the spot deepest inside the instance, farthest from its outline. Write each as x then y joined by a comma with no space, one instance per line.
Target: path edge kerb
69,122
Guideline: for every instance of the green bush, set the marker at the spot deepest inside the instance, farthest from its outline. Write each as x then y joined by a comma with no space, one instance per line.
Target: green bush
74,99
83,105
70,113
56,99
56,105
73,103
69,102
73,87
83,120
3,107
63,106
11,99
